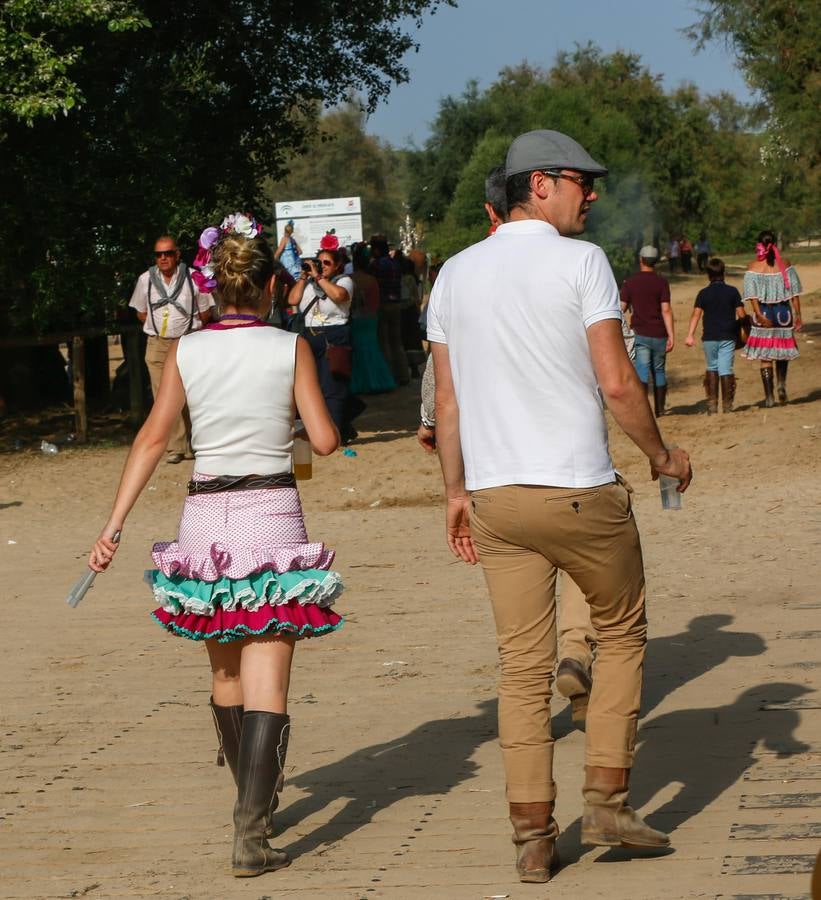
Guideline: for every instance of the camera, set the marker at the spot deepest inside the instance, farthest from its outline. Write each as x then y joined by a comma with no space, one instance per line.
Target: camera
305,263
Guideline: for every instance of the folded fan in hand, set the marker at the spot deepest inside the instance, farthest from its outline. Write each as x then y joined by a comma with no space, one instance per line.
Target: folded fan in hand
78,590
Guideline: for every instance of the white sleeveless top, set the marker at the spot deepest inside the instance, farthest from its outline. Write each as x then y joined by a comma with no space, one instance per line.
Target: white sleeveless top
239,384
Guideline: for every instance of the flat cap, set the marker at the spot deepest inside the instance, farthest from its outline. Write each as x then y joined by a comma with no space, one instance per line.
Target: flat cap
648,251
549,150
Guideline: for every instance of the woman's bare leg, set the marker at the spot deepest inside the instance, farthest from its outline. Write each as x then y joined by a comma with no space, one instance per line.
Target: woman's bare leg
265,672
225,672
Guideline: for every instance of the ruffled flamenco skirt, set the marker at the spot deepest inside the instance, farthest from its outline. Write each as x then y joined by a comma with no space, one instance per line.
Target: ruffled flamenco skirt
776,343
771,344
242,565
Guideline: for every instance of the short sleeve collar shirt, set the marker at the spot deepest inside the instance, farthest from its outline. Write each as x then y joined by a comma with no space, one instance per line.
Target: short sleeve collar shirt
168,321
514,311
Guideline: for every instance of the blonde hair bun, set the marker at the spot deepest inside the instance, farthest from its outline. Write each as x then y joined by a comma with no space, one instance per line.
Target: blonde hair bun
242,268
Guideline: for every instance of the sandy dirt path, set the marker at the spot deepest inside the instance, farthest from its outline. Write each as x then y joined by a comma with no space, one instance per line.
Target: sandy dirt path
107,780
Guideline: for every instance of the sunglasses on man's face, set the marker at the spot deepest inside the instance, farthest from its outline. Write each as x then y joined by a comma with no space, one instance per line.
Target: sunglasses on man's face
160,253
586,182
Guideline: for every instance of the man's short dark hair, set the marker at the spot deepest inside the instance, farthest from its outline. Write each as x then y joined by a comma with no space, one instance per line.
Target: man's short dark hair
715,269
518,190
496,191
650,261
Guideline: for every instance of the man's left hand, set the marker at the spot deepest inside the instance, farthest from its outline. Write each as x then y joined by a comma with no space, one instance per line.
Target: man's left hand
426,437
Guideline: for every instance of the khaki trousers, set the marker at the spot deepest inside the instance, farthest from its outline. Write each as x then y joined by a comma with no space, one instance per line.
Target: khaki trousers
156,352
576,635
523,535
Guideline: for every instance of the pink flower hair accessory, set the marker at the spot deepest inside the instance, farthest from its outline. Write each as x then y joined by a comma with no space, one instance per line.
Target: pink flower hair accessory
761,253
238,224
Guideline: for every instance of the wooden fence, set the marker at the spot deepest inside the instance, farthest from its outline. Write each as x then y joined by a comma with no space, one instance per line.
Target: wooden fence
77,340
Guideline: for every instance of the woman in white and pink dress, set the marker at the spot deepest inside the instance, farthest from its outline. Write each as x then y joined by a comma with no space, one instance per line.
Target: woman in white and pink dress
242,575
773,287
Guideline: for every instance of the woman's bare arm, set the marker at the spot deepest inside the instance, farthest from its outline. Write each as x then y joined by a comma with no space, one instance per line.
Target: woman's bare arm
145,453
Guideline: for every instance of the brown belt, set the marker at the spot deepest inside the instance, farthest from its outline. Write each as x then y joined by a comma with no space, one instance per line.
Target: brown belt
241,483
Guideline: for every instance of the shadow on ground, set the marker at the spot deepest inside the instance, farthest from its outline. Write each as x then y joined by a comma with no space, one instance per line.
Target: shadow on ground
426,762
706,750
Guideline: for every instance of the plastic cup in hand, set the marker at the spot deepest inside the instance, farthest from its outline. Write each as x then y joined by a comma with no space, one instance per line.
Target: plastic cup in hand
670,496
303,463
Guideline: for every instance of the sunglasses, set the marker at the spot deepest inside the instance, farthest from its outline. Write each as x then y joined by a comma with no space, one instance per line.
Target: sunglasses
326,263
159,253
586,182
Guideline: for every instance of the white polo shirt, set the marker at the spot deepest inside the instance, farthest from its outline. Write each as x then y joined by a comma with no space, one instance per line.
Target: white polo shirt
513,310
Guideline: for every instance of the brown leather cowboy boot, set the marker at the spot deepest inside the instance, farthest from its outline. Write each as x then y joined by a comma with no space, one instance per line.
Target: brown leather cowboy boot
573,681
660,398
711,390
607,820
727,392
534,834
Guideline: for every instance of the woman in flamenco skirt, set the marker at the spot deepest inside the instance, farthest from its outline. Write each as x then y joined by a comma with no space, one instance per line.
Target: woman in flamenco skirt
242,575
772,285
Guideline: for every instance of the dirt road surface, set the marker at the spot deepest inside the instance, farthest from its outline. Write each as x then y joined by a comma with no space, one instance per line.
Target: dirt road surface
108,786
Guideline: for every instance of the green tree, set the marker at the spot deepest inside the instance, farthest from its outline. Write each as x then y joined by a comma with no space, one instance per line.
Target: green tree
679,162
173,113
341,160
776,45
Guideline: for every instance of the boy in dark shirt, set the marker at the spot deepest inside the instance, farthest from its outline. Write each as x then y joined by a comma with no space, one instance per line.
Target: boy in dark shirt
721,305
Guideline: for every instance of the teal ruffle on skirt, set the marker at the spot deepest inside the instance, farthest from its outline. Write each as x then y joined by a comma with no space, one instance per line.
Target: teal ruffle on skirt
190,595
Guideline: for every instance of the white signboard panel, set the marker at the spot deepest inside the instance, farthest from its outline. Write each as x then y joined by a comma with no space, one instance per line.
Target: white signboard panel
313,218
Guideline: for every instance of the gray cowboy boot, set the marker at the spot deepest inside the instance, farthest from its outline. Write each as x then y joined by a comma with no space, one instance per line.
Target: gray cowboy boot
228,724
261,751
781,379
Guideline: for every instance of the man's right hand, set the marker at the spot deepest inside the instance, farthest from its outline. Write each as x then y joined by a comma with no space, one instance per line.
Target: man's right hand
457,525
675,463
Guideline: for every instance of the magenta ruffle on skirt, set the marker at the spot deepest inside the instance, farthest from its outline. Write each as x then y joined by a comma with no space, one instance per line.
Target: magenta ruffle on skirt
290,618
771,344
219,579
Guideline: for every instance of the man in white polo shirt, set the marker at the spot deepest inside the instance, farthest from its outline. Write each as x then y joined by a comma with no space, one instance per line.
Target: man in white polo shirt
169,305
530,484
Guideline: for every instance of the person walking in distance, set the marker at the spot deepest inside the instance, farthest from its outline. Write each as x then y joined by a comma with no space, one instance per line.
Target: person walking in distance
576,640
169,304
530,485
647,296
721,306
773,287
